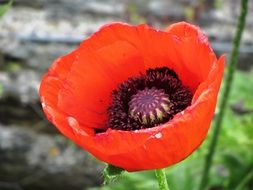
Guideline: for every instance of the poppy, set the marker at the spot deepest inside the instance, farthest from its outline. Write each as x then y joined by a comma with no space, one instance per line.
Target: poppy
134,96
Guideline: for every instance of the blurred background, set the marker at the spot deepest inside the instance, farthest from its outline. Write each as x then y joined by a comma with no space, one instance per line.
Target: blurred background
34,156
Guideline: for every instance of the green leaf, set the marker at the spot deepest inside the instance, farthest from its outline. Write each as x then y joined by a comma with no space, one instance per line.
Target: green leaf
5,7
112,173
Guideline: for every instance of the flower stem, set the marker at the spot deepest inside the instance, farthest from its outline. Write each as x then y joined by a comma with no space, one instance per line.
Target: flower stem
161,178
224,99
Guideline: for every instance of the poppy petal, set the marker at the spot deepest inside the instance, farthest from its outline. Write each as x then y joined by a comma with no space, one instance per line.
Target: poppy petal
49,89
193,48
168,143
77,90
183,48
93,77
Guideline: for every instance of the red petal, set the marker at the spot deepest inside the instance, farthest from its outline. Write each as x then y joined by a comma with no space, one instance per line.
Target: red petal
49,89
183,48
94,75
78,101
61,67
194,51
167,144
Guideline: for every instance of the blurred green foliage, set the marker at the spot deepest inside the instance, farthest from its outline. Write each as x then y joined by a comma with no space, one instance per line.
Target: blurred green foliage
112,173
233,163
134,15
1,90
217,4
12,67
5,7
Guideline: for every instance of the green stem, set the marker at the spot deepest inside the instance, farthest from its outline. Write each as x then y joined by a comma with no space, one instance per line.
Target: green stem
161,178
245,180
227,88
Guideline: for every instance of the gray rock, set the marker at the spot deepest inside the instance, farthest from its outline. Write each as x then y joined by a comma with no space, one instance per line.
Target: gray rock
220,23
22,85
36,37
44,162
105,7
166,9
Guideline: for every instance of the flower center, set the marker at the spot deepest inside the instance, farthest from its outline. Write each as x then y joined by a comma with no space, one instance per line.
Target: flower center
149,106
148,100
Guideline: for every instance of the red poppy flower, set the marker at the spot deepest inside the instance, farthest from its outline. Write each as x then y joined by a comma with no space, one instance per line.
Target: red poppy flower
133,96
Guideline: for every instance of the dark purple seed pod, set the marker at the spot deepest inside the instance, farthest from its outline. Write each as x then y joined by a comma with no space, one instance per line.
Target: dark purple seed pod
148,100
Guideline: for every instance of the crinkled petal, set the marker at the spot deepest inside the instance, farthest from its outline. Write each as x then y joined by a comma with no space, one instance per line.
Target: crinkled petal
114,53
94,75
183,48
169,143
49,89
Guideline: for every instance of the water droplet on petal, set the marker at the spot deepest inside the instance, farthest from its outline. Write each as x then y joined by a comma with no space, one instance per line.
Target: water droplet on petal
158,135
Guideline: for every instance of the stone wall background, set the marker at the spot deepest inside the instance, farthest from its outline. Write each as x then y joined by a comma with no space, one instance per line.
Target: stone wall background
33,33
